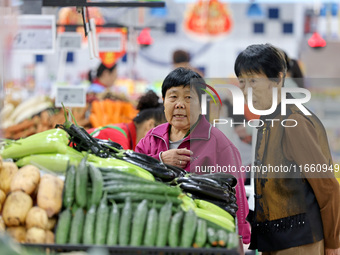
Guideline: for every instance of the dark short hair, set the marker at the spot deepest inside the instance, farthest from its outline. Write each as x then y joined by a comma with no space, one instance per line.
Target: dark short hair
182,76
180,56
261,58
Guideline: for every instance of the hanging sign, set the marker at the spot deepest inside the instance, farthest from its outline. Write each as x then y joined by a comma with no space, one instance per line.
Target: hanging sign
70,96
69,41
110,42
35,34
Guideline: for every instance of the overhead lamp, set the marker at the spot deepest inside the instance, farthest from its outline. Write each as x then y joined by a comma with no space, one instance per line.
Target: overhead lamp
144,37
255,11
316,41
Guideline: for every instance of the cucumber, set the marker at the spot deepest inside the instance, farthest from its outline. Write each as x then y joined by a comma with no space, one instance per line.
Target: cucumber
113,231
64,225
212,236
158,206
113,177
222,237
233,240
81,183
163,224
201,233
97,184
101,222
125,223
143,188
138,223
138,196
74,208
69,188
77,227
89,226
189,228
151,228
175,227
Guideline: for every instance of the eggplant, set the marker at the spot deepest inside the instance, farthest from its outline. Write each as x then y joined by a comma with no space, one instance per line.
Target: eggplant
202,179
178,170
205,190
142,157
223,178
106,143
164,174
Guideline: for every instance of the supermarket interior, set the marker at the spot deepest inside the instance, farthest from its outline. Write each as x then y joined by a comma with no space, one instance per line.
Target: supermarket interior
101,154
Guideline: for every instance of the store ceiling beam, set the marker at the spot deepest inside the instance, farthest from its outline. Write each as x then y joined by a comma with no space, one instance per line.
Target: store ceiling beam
85,3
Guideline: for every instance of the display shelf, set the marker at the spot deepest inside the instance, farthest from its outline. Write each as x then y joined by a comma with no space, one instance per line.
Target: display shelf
85,3
123,250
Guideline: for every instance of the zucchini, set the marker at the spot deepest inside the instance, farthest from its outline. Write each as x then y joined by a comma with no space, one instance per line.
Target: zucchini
81,183
189,228
143,188
201,233
63,228
69,188
163,224
101,222
77,226
175,228
151,228
113,231
97,184
138,223
89,226
125,223
212,236
138,196
222,237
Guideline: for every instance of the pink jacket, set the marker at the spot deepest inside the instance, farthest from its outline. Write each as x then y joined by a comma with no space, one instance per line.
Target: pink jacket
211,150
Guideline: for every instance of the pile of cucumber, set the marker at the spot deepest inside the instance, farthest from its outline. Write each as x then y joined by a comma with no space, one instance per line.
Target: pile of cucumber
143,225
110,207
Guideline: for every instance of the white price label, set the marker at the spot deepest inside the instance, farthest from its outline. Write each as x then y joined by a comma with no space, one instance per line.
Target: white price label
110,42
69,41
35,34
71,96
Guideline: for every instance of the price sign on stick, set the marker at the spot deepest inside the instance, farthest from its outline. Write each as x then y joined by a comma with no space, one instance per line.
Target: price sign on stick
35,34
69,41
70,96
110,42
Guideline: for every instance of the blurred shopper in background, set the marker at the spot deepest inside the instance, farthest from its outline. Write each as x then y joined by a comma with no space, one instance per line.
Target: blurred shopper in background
297,211
181,58
294,75
103,78
151,114
189,141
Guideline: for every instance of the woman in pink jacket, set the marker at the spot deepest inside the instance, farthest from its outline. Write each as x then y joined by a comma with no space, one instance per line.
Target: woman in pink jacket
189,141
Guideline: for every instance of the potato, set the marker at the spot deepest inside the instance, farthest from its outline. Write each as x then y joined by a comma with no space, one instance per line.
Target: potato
50,193
51,223
49,237
2,225
26,179
17,233
2,197
36,217
35,235
16,207
9,169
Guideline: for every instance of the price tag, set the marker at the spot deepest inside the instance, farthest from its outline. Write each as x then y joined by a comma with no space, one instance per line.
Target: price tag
110,42
35,34
70,96
69,41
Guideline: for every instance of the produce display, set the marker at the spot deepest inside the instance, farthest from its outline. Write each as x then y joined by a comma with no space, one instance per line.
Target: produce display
108,196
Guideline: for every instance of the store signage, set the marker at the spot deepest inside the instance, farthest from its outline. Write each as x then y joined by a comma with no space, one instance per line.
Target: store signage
110,42
70,96
69,41
35,34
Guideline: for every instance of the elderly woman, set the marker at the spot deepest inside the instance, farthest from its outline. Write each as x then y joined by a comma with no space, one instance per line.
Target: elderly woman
188,140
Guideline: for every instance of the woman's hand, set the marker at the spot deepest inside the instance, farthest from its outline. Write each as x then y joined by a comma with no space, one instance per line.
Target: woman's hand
177,157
